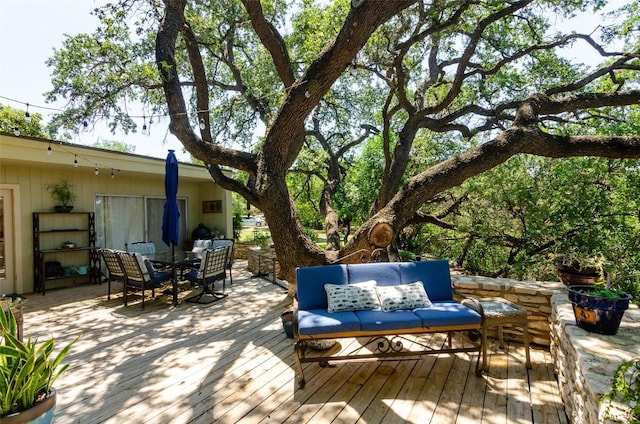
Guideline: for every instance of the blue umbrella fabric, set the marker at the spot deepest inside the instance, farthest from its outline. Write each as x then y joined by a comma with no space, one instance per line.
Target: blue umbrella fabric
171,215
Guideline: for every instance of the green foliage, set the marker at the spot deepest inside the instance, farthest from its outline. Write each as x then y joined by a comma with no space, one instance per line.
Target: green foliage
14,119
115,145
625,388
62,193
27,370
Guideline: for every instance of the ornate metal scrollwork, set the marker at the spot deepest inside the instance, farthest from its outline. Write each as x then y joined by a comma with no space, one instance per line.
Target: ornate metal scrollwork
388,344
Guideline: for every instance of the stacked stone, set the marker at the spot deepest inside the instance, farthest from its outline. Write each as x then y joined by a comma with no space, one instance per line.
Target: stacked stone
535,296
585,362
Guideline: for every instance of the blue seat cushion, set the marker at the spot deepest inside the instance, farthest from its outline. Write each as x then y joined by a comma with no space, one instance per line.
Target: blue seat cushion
447,313
401,319
318,322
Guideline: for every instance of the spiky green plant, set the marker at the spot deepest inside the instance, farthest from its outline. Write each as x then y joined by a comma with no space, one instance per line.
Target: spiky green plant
27,369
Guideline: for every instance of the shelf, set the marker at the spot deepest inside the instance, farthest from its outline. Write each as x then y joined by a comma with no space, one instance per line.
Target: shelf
81,227
71,230
74,249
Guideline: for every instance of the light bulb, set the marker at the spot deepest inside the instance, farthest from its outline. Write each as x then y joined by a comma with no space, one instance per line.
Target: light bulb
49,150
307,94
144,125
202,124
75,161
27,115
85,125
96,170
112,174
16,132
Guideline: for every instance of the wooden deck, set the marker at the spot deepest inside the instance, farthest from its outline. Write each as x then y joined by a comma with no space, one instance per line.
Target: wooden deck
230,362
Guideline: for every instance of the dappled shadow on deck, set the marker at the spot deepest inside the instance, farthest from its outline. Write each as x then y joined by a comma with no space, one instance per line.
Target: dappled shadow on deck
231,362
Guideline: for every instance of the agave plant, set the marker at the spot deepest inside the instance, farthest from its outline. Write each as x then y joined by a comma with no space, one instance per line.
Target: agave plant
27,369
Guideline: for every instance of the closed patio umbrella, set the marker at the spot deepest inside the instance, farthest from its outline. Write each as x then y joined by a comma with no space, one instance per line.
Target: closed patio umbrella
171,215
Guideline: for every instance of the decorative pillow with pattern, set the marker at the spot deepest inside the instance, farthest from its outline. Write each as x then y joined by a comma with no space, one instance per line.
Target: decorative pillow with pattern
403,296
352,297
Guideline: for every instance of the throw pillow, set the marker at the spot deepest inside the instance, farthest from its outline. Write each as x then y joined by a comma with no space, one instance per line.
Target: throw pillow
403,296
351,297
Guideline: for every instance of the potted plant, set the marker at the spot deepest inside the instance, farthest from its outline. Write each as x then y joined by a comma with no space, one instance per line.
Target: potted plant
597,308
27,373
63,195
623,400
575,269
262,240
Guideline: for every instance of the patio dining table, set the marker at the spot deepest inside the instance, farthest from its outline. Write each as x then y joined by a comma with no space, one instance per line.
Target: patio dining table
173,260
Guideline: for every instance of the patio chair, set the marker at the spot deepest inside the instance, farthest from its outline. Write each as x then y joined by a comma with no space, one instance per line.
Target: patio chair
148,250
114,268
199,246
212,269
229,243
140,275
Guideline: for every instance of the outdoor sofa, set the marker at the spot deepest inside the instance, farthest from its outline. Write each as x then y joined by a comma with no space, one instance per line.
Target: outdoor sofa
380,304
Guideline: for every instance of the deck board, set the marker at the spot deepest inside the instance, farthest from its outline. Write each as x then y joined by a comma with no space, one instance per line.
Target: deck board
230,362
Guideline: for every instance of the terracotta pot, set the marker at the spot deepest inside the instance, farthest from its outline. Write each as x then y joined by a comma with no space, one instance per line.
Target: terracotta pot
41,413
572,279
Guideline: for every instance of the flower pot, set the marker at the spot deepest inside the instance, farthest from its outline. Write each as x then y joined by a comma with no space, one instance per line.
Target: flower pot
287,323
572,279
40,413
597,314
63,209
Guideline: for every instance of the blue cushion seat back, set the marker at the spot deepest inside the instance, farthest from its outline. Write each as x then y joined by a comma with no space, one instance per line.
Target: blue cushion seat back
434,274
385,274
317,322
447,313
311,281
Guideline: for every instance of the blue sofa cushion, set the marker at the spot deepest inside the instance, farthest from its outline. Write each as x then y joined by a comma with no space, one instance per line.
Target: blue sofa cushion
387,273
385,321
317,322
311,281
434,274
447,313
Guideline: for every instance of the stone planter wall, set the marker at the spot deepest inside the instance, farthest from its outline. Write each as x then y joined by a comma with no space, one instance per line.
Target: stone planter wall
535,296
585,362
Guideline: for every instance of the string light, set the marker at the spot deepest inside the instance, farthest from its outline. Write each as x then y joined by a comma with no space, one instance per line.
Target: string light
16,132
75,161
202,124
144,125
96,170
49,150
27,115
85,125
112,174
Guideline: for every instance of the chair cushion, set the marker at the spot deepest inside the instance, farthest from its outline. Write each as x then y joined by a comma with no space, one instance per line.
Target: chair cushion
447,313
388,321
316,322
351,297
403,296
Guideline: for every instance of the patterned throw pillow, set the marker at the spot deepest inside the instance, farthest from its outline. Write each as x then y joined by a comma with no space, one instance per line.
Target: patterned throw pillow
352,297
403,296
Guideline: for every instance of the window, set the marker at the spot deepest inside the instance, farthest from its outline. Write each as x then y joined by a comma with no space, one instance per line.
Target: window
129,219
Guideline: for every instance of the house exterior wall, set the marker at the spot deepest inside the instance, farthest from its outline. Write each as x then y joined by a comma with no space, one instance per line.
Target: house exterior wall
26,168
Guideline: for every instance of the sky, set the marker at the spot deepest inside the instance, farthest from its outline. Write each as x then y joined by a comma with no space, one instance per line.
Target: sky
31,29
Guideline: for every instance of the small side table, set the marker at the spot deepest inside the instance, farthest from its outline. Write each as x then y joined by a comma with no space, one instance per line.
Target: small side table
498,312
